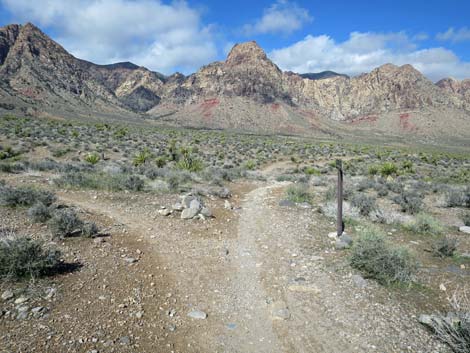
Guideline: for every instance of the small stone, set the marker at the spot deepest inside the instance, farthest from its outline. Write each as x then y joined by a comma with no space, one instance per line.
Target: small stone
189,213
195,204
124,340
50,293
186,200
359,281
98,240
465,229
227,205
37,309
197,314
177,207
21,300
286,203
333,235
139,315
206,212
130,260
280,311
171,328
6,295
165,212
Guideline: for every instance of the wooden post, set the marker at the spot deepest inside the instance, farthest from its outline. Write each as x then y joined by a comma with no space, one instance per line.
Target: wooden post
339,220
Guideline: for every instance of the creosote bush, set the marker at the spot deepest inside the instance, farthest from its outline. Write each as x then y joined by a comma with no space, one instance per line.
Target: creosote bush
425,224
298,193
365,204
65,222
454,328
444,247
376,258
39,213
24,257
24,196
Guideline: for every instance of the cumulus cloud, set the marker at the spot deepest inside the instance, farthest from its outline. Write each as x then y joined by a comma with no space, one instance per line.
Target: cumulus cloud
281,17
362,52
453,35
148,32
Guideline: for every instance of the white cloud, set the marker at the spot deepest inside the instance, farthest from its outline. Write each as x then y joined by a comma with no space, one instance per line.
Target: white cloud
452,35
149,32
281,17
363,52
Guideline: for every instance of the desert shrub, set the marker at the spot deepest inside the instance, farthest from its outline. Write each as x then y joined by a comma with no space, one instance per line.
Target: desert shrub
395,187
373,170
444,247
457,197
454,328
298,193
381,189
39,213
409,201
311,171
24,257
92,158
425,224
465,218
365,184
65,222
24,196
160,162
250,165
90,229
388,168
134,183
376,258
365,204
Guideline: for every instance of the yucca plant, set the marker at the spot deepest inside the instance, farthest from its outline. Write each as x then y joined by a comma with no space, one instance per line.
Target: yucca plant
142,157
92,158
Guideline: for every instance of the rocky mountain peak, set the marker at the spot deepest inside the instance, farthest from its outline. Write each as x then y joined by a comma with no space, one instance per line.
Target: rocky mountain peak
246,52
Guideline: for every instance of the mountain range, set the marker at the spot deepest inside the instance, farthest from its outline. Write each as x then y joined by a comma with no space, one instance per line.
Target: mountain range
245,92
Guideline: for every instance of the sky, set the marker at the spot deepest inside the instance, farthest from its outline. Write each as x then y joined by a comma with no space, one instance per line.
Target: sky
349,37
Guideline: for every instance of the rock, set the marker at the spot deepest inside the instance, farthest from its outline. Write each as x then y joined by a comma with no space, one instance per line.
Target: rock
206,212
21,300
6,295
280,311
465,229
343,242
195,204
465,255
303,288
139,314
124,340
333,235
98,240
186,200
177,207
227,205
130,260
224,193
197,314
286,203
189,213
37,309
305,205
50,293
359,281
165,212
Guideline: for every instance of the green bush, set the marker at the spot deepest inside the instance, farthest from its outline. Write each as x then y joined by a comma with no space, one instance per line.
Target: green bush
90,229
142,157
365,204
64,223
388,168
188,162
298,193
376,258
92,158
425,224
373,170
24,196
25,257
444,247
39,213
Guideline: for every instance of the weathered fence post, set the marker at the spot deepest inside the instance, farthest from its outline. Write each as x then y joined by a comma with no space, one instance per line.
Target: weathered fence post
339,220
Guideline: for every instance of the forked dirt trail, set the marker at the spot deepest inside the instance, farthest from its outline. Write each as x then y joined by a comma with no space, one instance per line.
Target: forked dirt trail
265,275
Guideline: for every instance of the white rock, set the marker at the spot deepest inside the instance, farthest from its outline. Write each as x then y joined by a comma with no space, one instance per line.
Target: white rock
8,294
197,314
465,229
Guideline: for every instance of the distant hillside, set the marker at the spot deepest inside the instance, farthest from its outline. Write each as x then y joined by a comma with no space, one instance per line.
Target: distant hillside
322,75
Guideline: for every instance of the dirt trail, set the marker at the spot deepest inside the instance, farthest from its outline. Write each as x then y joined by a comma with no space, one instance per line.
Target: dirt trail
260,274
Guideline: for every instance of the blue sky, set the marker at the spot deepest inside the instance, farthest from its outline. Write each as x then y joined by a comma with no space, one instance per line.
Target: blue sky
302,36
